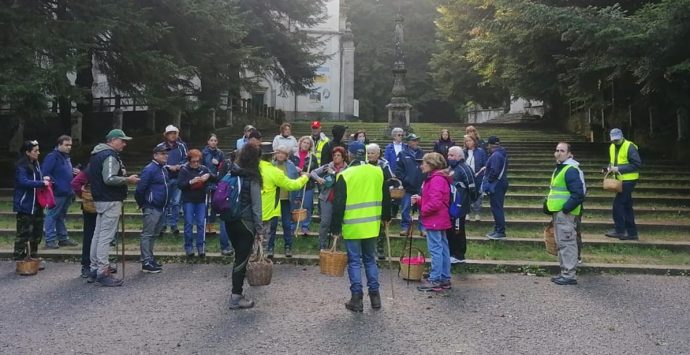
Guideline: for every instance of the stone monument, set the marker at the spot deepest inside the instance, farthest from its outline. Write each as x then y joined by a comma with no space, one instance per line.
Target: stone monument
399,108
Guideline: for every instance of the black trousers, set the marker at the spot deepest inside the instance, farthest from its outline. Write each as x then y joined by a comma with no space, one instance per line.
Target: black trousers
457,238
89,227
29,230
242,240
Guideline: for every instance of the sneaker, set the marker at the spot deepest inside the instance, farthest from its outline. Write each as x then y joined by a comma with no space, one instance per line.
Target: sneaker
629,237
467,218
176,231
227,252
454,260
202,255
91,278
41,264
85,270
446,285
240,302
560,280
305,231
68,243
52,245
613,234
150,268
190,254
107,280
428,285
579,260
477,217
155,262
496,236
112,268
288,252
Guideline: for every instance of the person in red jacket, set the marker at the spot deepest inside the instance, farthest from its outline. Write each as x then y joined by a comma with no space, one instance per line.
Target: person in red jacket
434,203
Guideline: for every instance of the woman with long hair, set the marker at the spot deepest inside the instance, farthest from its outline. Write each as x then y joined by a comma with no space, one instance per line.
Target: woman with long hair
443,143
305,161
433,212
243,230
475,158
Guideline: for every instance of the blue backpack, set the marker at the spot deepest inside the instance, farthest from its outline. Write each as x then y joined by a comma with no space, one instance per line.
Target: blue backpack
226,198
455,206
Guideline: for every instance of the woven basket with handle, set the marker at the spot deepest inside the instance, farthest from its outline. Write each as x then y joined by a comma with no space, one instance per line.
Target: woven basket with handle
612,184
259,270
550,240
331,261
409,271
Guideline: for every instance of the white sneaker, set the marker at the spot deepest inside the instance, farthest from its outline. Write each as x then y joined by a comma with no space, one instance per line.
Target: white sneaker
454,260
467,218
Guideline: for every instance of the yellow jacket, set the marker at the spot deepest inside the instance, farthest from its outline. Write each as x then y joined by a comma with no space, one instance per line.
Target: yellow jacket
274,178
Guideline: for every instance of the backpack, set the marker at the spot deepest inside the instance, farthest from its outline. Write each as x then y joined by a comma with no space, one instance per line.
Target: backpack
226,198
455,206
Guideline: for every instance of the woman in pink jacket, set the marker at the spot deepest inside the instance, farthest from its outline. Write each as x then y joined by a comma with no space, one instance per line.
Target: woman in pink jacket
434,215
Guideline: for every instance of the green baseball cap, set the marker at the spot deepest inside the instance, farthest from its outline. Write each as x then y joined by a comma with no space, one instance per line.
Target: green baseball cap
117,133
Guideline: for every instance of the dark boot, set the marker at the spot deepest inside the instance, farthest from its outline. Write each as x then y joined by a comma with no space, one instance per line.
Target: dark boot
355,303
375,298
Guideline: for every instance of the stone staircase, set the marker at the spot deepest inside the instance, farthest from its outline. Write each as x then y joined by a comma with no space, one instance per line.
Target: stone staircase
662,200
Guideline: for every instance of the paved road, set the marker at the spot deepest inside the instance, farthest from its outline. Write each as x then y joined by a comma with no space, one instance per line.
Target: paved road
184,310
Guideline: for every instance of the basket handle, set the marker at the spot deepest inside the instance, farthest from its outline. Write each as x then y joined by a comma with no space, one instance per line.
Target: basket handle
335,242
419,252
28,251
400,184
609,173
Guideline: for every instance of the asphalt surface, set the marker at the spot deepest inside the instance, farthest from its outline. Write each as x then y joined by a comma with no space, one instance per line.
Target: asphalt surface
184,310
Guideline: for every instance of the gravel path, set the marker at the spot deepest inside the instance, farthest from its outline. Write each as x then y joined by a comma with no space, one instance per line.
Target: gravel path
184,310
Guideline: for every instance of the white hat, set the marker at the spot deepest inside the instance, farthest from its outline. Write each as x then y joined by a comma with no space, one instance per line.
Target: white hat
171,128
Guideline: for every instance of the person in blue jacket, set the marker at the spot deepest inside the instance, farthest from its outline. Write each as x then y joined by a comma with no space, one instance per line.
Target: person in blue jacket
151,195
177,156
27,179
394,148
58,167
475,158
495,184
409,172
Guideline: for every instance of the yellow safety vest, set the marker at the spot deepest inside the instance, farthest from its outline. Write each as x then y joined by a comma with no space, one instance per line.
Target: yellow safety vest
274,178
559,194
622,160
362,217
319,148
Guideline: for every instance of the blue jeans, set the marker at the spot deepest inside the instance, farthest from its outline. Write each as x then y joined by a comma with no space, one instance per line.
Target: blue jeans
54,223
405,218
286,221
194,214
358,251
224,240
623,214
437,243
172,211
496,200
308,205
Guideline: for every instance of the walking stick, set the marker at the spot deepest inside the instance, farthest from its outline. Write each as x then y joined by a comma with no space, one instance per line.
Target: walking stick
390,258
409,243
122,236
304,191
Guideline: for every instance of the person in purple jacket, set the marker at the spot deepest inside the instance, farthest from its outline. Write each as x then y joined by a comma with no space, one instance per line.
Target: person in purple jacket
57,166
434,203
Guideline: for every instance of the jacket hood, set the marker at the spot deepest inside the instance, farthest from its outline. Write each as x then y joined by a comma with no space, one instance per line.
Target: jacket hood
571,161
338,132
442,173
101,147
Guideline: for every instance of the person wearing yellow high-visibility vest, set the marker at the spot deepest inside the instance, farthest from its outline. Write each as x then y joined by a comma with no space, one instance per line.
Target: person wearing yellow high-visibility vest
319,138
564,203
625,162
361,202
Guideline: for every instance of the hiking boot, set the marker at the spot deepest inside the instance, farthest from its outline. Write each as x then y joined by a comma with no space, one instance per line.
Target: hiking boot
239,302
288,252
560,280
85,270
375,298
91,277
446,285
52,245
150,268
107,280
355,303
613,234
428,285
227,252
112,268
67,243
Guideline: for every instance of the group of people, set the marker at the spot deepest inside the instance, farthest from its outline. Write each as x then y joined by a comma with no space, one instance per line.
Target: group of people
352,181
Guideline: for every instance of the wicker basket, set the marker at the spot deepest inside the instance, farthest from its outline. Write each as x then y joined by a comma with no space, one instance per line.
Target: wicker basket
411,267
299,215
397,193
550,240
260,270
612,184
331,261
28,267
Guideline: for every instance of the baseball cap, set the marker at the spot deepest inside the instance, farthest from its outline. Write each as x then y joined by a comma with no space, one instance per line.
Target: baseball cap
117,133
616,134
248,127
357,148
171,128
493,140
316,124
411,137
161,148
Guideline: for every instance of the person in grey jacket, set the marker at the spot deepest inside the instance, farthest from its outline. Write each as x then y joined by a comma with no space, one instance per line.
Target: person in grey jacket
325,177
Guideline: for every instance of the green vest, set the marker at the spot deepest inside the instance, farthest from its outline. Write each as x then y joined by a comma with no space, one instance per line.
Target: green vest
559,194
319,148
362,217
622,160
